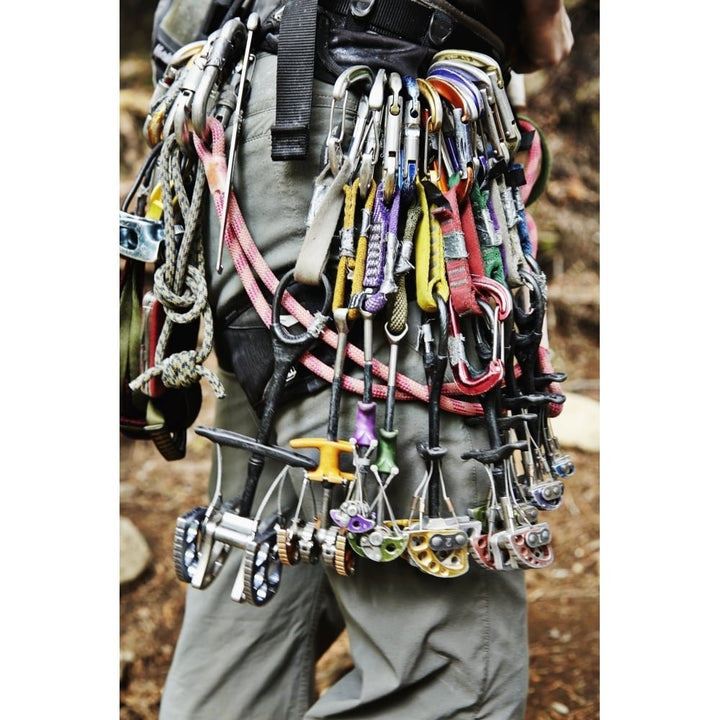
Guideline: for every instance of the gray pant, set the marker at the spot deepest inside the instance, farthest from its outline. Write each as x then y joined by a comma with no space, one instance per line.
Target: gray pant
423,647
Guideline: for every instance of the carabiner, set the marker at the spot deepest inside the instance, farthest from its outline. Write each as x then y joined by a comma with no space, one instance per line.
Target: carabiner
470,380
432,119
505,115
459,96
501,296
392,137
471,72
333,143
222,45
469,92
245,71
179,113
411,138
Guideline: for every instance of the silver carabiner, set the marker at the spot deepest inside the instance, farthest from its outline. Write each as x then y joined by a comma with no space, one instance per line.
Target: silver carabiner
333,143
392,137
179,114
372,137
248,63
411,134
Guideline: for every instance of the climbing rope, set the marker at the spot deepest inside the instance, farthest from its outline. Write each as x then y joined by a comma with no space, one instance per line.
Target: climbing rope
179,283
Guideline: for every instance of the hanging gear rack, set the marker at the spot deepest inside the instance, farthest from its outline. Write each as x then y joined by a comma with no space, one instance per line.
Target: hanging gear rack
424,200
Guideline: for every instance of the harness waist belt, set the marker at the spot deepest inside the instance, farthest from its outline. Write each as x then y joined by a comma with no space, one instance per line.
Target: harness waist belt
403,19
416,22
433,25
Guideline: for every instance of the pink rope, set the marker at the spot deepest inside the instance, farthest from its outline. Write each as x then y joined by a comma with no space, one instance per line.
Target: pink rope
246,255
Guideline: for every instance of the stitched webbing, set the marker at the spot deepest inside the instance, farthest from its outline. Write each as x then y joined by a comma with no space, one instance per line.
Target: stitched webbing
492,259
457,265
346,262
398,314
296,60
430,278
313,254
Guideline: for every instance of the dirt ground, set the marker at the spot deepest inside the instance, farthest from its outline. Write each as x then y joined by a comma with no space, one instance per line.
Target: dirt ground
564,599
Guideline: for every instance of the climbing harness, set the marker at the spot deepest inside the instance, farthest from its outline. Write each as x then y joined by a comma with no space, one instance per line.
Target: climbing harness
421,197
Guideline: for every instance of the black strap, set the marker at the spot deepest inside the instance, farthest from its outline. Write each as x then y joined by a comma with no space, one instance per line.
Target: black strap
437,23
296,60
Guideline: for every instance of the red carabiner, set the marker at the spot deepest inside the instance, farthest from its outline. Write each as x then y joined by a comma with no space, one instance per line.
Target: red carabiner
467,378
496,291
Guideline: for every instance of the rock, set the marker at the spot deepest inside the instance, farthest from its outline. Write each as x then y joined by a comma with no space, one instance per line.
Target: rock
134,552
126,658
578,425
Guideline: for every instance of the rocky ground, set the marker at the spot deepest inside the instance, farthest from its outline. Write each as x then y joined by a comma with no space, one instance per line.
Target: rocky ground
564,599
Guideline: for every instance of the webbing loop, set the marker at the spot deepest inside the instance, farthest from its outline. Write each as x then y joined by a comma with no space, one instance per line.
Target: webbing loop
296,59
430,277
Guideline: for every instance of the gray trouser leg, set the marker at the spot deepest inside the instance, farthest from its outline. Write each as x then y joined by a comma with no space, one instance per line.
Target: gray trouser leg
424,648
234,660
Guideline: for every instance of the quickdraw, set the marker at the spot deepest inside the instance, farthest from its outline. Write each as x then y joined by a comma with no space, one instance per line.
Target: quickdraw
424,195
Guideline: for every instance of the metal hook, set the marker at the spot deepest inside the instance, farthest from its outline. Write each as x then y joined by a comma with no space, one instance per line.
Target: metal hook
221,44
469,379
333,143
392,137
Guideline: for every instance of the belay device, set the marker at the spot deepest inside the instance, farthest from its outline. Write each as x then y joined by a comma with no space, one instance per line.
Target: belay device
425,197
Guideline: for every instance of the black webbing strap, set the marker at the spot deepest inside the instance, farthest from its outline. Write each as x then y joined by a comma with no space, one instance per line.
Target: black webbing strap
400,18
295,65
